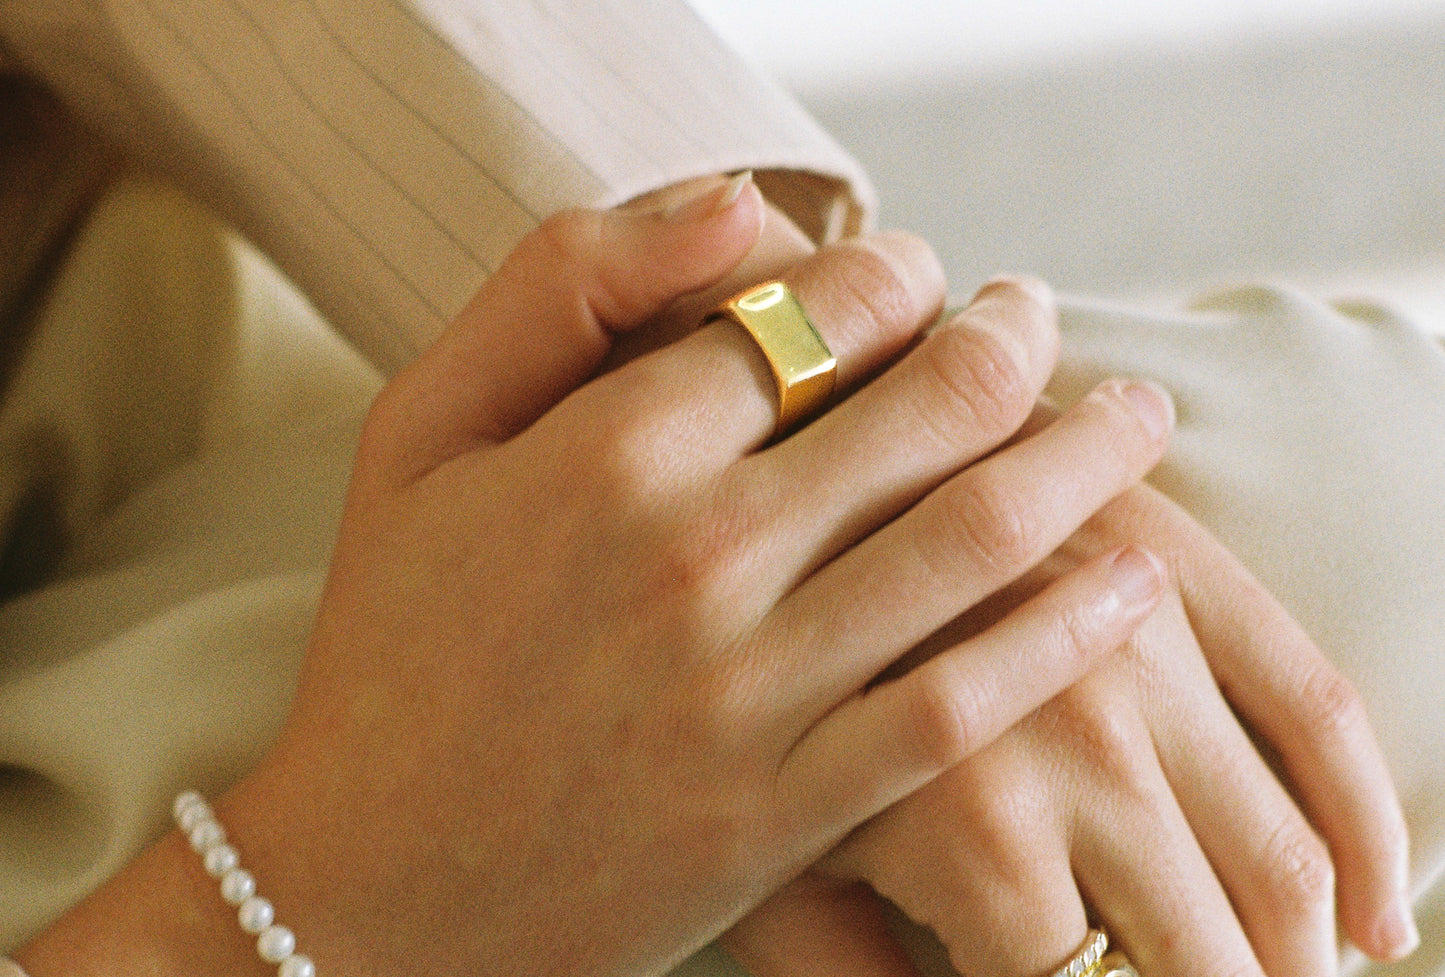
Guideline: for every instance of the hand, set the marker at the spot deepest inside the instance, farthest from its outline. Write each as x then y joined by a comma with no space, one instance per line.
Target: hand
604,660
1136,795
594,672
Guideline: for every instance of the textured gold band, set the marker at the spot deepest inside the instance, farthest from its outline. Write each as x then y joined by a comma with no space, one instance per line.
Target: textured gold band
803,367
1095,959
1085,961
1115,964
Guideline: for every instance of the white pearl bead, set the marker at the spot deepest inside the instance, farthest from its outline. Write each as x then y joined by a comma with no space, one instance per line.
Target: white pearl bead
206,834
197,813
220,859
185,801
256,914
237,886
297,965
276,944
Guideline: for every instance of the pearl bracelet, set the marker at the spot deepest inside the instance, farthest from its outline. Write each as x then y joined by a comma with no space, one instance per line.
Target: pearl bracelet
276,944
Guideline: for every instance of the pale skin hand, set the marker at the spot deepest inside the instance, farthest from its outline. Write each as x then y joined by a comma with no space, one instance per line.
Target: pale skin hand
594,670
1137,794
1134,793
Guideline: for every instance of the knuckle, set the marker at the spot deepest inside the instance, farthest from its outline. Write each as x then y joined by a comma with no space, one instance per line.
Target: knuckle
382,417
385,430
683,576
876,286
696,587
976,380
987,523
1331,705
575,249
944,718
700,554
622,429
567,237
1075,632
1108,735
1296,873
622,457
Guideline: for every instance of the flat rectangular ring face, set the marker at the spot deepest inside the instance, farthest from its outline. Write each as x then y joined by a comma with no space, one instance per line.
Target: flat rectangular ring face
801,362
784,331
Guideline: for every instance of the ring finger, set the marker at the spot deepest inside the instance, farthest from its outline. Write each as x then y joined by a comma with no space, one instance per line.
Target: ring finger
1276,869
1003,857
1143,873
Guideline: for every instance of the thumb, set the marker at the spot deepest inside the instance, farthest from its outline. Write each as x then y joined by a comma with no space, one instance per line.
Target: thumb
542,324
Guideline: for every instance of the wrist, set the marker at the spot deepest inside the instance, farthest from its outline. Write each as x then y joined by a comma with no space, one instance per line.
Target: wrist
161,916
255,914
164,915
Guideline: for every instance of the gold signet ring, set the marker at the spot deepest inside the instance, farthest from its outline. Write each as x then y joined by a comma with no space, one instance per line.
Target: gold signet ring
803,368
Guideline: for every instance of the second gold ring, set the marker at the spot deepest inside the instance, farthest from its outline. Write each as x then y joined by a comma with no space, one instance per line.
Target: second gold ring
804,369
1095,959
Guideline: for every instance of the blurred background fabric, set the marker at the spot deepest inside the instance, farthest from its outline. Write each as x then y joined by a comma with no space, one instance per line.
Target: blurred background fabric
1139,149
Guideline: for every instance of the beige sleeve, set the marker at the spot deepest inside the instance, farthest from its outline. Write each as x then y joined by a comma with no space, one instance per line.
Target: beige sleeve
389,153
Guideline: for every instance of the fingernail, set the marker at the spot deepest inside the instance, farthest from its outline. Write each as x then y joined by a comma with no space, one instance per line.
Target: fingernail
1035,288
709,202
1136,576
1153,405
1398,935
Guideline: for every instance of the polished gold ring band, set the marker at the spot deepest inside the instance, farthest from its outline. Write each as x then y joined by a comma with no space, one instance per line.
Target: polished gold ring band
803,368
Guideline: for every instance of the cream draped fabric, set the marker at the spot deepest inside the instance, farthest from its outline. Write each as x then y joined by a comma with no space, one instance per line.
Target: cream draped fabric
175,433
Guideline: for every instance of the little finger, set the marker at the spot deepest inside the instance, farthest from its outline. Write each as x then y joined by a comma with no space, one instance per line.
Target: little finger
1301,704
1276,870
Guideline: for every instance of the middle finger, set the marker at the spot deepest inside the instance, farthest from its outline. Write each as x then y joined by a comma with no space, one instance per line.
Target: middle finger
978,531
